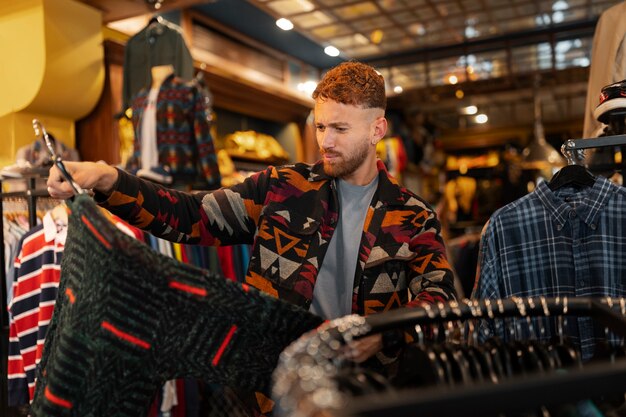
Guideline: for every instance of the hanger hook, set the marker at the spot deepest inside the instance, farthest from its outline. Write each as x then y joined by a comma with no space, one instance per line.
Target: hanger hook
56,159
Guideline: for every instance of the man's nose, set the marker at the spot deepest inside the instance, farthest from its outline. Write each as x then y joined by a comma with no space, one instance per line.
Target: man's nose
327,140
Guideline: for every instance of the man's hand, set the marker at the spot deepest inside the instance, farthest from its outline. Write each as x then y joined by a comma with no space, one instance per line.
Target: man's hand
360,350
89,175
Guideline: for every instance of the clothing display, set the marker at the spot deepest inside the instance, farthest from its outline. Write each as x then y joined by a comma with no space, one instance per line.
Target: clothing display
456,375
129,319
37,273
159,43
279,205
563,243
37,154
289,214
392,152
612,98
180,119
255,146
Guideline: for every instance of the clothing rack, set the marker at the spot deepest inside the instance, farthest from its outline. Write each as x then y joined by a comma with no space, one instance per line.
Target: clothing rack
604,141
317,390
485,399
575,147
515,307
31,194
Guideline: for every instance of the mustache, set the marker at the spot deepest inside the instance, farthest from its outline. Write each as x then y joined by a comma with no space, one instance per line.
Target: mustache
329,153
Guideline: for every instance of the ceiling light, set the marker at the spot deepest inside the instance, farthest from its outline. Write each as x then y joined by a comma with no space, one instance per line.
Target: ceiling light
481,118
452,79
331,51
307,87
376,36
284,24
459,94
359,39
469,110
417,29
398,89
539,154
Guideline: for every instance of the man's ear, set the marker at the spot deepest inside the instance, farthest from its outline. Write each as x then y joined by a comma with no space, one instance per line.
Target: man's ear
380,129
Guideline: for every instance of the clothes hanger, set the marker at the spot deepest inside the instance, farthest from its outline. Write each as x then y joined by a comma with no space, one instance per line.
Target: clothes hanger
573,174
56,159
156,19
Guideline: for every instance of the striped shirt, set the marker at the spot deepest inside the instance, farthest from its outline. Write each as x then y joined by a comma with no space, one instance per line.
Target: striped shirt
567,243
37,275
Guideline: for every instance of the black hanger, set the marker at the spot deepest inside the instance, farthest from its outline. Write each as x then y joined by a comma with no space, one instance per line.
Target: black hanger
572,175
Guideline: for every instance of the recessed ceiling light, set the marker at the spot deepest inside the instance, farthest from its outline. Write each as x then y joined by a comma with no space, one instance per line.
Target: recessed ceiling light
376,36
398,89
469,110
481,118
453,79
284,24
331,51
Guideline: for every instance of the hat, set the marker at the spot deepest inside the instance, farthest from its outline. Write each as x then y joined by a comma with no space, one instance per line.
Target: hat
612,96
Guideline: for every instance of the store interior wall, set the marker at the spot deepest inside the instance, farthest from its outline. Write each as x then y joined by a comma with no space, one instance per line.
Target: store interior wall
53,69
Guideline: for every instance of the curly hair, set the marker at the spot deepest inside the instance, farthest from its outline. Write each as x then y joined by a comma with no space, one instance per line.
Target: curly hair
353,83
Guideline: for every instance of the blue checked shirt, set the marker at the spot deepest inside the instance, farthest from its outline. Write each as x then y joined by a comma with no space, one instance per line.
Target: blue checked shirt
559,243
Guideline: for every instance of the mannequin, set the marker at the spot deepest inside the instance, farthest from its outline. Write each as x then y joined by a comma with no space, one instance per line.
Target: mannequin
173,143
160,73
148,131
608,62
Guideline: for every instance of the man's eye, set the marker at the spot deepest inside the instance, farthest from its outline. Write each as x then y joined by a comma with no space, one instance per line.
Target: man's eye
342,129
320,128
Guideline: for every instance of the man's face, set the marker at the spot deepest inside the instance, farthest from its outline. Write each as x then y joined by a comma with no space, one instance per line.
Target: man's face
347,137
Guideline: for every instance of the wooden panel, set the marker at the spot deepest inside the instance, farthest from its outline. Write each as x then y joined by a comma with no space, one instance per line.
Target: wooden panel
97,134
212,41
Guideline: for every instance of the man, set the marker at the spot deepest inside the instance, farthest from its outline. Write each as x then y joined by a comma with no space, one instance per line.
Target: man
337,237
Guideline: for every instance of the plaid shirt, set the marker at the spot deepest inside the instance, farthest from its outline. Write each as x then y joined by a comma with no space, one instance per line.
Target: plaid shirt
557,243
289,215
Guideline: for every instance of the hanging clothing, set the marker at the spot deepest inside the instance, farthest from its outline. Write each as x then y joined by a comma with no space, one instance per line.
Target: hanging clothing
130,319
37,154
159,43
563,243
36,280
608,62
183,139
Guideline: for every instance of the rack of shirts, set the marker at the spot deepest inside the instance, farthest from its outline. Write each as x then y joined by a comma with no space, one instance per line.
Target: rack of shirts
566,238
448,371
20,214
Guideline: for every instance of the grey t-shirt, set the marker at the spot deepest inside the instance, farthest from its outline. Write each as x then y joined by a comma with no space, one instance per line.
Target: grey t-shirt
332,295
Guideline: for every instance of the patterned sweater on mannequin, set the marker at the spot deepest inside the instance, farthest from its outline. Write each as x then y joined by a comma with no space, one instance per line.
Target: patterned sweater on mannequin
184,142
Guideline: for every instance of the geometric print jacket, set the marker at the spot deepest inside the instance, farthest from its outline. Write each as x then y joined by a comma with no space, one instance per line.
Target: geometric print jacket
183,132
288,214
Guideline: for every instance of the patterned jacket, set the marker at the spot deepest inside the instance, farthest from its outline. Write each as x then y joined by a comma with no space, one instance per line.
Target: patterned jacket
184,142
289,214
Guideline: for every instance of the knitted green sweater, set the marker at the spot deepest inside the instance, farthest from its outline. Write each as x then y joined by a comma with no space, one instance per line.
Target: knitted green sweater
127,319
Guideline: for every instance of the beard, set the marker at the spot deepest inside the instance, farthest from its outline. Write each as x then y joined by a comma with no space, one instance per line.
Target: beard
345,164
